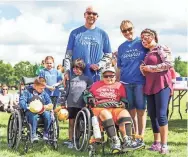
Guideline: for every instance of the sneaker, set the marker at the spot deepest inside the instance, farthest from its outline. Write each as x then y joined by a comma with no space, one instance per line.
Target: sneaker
164,150
34,138
140,142
67,142
116,145
129,145
45,136
70,145
155,147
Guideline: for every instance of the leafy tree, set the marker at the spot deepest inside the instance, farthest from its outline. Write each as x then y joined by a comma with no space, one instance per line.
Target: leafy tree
180,66
24,68
6,74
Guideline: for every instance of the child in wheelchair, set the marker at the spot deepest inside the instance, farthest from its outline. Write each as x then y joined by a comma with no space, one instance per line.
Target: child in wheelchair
107,101
78,83
36,102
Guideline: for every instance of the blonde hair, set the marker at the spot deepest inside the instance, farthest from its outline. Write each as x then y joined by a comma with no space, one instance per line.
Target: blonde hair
4,85
49,57
125,22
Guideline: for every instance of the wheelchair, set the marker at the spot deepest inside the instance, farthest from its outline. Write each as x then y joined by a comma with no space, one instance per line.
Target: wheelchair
19,130
83,131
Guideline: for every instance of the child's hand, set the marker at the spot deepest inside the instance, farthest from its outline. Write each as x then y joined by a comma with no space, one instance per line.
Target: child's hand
57,109
51,88
48,107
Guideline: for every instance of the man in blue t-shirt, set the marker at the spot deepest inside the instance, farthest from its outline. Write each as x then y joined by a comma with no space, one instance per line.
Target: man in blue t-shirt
130,55
89,43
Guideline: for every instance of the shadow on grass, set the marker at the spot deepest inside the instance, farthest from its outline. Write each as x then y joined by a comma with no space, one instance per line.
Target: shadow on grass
175,125
3,126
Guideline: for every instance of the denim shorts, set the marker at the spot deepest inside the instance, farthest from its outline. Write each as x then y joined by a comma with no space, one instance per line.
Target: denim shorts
135,96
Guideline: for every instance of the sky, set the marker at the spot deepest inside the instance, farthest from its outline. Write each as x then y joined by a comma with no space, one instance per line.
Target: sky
32,30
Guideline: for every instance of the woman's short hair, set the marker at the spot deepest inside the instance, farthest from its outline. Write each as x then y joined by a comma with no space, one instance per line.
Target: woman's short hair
125,22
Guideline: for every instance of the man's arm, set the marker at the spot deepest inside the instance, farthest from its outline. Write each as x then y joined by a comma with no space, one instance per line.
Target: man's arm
106,60
118,74
67,61
107,56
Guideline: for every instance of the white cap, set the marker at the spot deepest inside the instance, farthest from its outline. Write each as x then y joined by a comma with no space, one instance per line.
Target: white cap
110,69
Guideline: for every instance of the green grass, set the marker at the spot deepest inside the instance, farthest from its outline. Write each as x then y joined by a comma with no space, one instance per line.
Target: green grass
177,140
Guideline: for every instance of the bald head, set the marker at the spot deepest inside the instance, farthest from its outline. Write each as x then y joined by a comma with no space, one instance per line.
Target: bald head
91,9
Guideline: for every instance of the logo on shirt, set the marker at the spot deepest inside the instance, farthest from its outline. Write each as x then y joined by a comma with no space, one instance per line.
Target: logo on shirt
107,93
88,40
131,54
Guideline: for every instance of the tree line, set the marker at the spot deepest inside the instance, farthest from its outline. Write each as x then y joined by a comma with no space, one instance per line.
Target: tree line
11,75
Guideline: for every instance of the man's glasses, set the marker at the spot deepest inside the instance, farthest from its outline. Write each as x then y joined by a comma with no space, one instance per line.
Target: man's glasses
108,76
48,63
5,89
127,30
93,13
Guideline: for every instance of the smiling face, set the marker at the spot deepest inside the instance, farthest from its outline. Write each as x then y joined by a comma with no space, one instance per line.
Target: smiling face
91,16
77,70
49,63
4,89
109,77
127,30
149,38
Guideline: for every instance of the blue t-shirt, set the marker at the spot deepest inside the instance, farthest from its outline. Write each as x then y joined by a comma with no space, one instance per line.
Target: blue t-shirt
130,56
90,45
52,77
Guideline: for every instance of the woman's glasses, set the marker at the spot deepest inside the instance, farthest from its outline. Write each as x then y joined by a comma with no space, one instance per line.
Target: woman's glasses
5,89
127,30
92,13
108,76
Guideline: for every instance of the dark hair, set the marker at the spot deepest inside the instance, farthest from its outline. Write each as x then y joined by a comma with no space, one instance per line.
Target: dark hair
152,32
79,63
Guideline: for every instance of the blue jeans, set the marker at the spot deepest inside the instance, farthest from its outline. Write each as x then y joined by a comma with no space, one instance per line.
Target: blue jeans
157,108
33,120
135,96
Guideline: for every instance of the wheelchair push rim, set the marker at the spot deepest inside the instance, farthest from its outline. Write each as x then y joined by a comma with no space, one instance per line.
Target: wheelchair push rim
14,130
82,130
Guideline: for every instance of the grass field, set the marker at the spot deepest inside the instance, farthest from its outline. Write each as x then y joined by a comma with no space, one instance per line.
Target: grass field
177,140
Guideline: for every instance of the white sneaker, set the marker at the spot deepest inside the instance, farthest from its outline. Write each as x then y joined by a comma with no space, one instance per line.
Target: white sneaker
70,145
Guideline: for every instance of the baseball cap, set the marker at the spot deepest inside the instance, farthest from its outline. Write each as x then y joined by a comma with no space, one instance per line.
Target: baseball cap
108,68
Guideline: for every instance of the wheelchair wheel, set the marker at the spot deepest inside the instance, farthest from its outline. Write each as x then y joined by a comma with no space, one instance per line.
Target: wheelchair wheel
27,136
82,129
53,134
57,124
14,130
